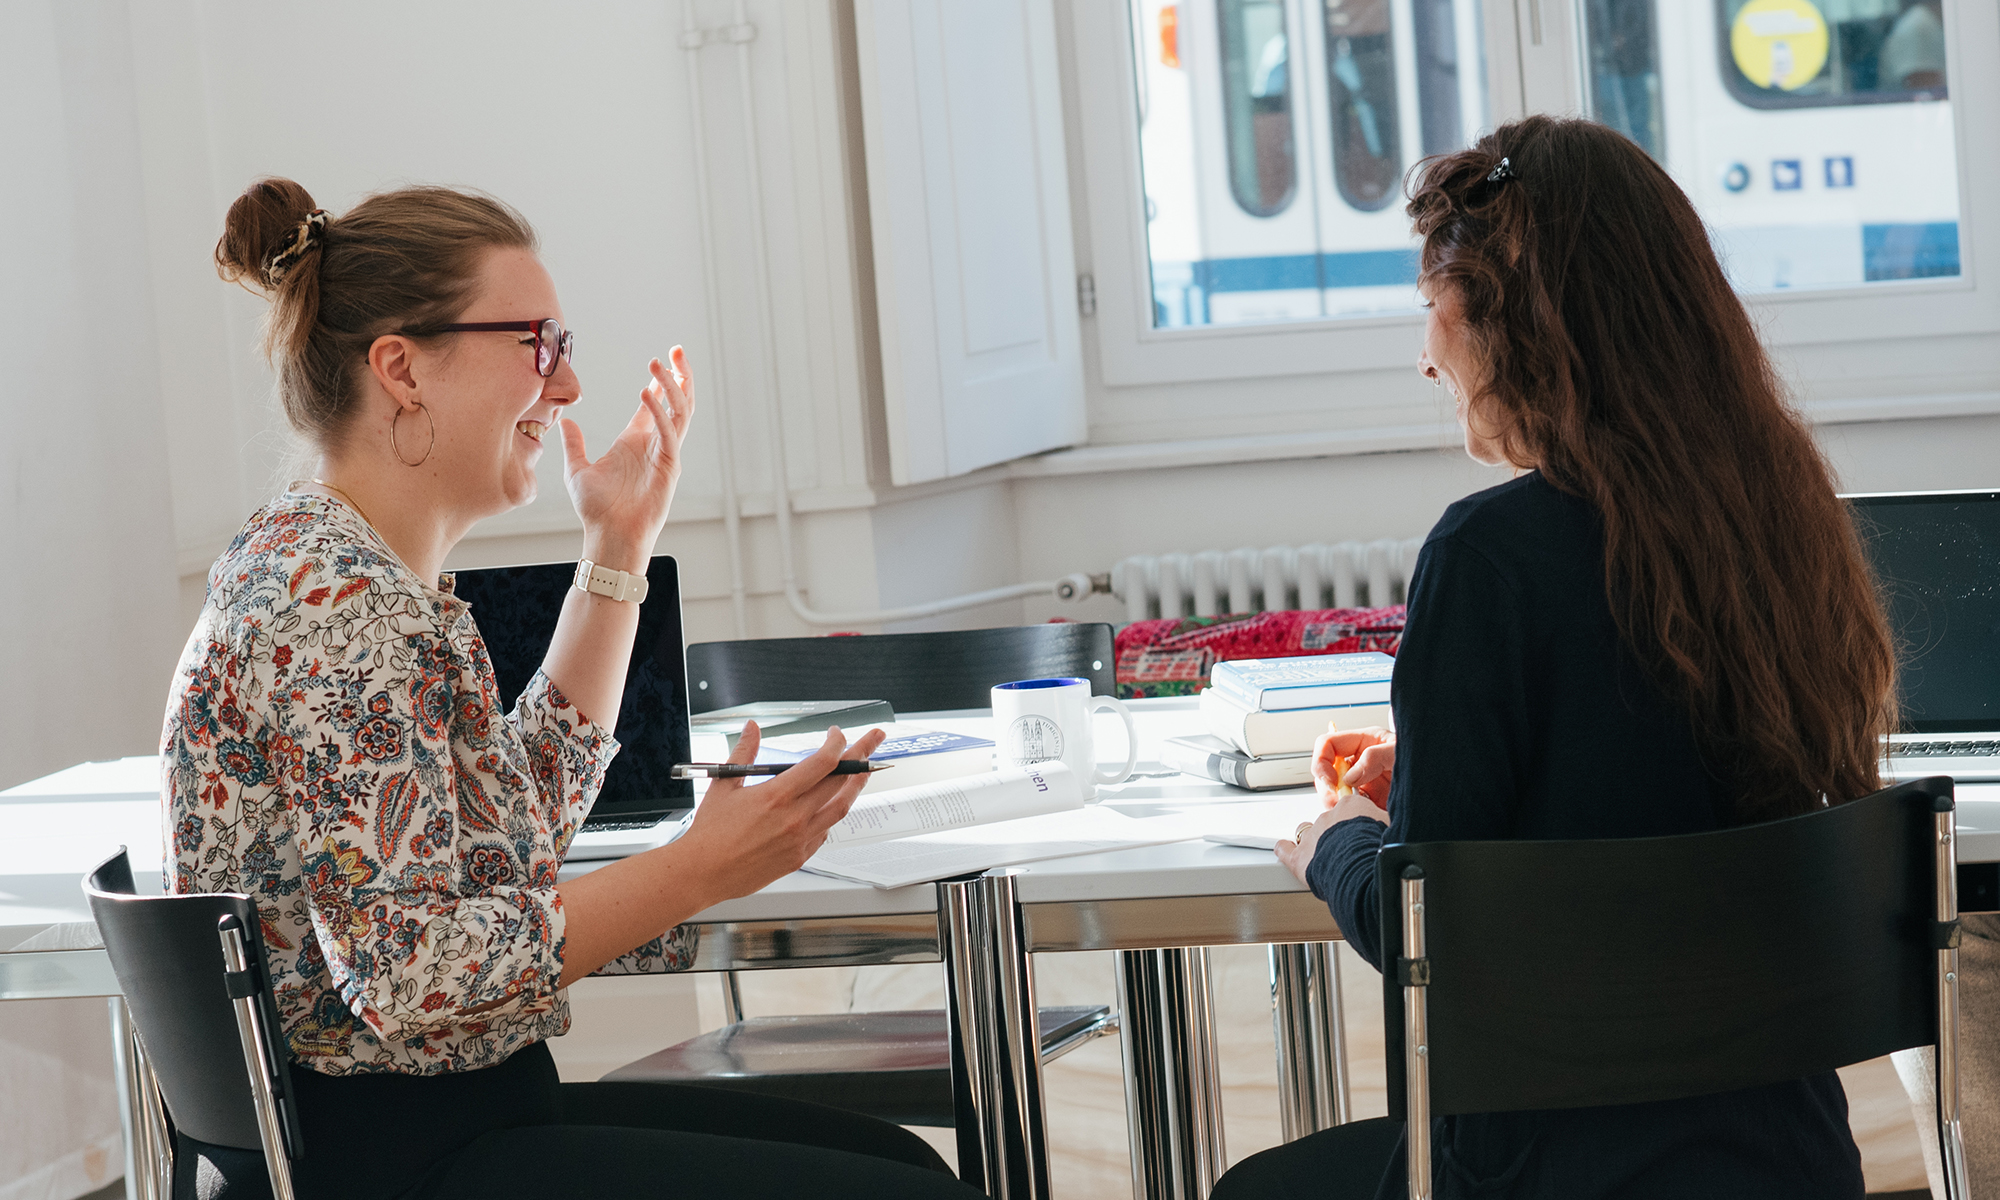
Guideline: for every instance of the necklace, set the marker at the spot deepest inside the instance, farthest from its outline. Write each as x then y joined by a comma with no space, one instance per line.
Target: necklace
350,501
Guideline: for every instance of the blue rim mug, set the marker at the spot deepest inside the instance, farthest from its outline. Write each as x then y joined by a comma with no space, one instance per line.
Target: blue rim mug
1041,719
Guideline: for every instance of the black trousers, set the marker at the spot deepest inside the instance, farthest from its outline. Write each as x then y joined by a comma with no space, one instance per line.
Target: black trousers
1346,1162
515,1130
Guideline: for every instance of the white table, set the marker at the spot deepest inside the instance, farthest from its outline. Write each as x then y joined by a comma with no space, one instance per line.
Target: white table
1158,906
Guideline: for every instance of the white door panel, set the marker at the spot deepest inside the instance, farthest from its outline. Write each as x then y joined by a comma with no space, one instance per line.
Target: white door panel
969,201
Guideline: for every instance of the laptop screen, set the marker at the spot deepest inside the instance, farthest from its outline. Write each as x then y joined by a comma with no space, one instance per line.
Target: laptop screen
1937,558
516,610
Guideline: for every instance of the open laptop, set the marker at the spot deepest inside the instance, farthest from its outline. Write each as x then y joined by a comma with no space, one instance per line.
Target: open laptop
1937,556
516,610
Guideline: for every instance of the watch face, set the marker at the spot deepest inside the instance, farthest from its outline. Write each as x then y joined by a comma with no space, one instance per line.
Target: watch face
1034,738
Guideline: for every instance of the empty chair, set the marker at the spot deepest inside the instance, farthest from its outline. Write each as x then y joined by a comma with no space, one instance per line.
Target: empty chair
914,672
193,972
892,1065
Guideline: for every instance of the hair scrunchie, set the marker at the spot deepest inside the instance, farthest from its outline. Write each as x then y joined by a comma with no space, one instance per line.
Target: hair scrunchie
309,236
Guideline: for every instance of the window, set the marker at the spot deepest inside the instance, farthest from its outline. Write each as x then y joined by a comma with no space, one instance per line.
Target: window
1625,70
1361,93
1846,224
1450,89
1257,105
1265,201
1816,138
1797,54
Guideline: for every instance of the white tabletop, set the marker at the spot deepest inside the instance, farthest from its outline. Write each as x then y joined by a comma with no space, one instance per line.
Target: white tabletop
54,829
1191,868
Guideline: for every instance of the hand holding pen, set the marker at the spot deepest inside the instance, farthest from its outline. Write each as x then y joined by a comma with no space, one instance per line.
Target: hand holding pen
744,835
734,770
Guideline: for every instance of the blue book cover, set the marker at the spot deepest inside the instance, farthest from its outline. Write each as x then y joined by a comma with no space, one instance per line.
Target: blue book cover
899,746
1312,681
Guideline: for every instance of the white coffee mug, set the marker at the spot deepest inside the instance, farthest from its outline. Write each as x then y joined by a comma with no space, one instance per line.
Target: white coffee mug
1041,719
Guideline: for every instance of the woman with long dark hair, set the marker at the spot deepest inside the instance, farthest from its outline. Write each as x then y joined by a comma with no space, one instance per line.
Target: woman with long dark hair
1662,625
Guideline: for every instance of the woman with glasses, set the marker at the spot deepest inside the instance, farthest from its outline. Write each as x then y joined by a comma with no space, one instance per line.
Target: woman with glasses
336,745
1667,596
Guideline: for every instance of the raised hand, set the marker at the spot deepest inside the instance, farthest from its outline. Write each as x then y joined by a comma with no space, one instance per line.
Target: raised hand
623,497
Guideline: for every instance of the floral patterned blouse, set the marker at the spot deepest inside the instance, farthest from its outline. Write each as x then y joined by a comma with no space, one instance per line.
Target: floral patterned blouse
336,747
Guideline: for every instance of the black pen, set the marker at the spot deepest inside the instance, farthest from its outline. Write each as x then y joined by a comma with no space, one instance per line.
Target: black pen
846,766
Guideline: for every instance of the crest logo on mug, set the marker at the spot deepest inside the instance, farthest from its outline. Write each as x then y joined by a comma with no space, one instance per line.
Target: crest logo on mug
1033,738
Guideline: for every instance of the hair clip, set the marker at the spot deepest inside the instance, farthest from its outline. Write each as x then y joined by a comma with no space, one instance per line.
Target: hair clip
307,237
1501,173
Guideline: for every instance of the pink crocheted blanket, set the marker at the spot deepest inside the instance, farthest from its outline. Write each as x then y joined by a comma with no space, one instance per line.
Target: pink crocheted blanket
1171,656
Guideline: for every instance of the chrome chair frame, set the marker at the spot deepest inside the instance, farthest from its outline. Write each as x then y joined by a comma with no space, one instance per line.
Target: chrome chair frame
243,992
153,943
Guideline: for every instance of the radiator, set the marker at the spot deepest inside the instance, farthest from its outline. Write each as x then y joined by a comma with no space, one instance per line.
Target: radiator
1207,582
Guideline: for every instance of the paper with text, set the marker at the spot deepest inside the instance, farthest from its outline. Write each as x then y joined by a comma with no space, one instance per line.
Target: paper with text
958,804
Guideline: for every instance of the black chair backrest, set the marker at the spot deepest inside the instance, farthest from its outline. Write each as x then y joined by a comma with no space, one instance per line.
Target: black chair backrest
1582,973
914,672
168,959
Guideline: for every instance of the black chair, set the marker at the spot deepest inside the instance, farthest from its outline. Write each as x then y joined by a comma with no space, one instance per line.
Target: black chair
193,972
1687,965
892,1065
914,672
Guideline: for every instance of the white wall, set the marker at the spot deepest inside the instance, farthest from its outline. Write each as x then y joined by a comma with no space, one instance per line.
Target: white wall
160,115
585,124
87,589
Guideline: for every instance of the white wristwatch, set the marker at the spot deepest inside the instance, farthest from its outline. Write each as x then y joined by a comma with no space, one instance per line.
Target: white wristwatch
603,581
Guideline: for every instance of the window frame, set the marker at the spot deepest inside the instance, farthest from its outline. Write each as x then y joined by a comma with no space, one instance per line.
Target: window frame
1293,125
1536,62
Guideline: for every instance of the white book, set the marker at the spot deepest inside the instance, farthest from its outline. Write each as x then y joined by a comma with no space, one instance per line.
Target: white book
1306,681
1213,758
958,804
1262,734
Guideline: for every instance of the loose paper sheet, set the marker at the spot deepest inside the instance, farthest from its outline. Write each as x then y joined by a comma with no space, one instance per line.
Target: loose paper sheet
1262,825
958,803
935,856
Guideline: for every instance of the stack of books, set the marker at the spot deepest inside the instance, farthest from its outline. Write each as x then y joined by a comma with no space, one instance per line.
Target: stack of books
1265,714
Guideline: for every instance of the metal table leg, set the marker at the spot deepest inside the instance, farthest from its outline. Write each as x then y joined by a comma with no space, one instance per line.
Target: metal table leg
996,1061
1311,1035
1173,1097
149,1155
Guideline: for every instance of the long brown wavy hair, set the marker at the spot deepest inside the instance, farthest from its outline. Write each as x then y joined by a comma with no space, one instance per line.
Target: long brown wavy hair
1624,368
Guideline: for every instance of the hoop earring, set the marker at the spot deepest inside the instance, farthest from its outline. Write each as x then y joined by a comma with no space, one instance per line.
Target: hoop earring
397,451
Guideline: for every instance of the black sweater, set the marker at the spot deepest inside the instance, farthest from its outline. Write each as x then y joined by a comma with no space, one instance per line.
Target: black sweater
1520,713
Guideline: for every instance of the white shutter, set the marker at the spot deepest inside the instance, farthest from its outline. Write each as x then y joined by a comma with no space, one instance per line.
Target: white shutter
968,198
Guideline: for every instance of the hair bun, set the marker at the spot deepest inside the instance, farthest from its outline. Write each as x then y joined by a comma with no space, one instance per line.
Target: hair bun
265,233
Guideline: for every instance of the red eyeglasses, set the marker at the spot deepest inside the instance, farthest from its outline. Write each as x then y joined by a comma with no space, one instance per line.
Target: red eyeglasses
550,338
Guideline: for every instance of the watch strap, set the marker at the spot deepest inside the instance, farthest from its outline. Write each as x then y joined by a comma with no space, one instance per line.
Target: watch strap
603,581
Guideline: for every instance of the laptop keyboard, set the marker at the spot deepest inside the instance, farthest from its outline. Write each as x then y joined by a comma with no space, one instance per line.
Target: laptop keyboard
1943,749
642,823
